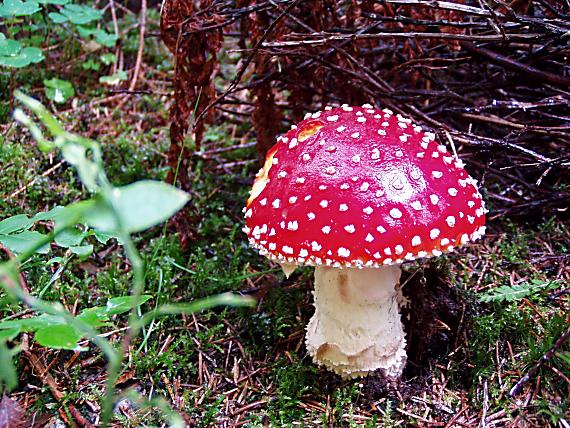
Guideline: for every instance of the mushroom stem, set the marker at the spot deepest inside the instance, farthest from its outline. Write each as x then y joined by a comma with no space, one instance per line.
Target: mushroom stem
356,327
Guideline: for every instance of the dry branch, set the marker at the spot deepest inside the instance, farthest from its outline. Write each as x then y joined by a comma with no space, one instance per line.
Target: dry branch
493,76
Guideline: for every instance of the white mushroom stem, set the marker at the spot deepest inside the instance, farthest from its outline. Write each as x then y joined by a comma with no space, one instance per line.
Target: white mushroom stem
356,327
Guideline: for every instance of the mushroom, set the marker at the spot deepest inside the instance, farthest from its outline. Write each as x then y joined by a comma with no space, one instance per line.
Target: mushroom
355,192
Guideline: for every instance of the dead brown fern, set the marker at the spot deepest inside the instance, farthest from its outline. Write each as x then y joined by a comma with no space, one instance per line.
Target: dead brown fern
490,77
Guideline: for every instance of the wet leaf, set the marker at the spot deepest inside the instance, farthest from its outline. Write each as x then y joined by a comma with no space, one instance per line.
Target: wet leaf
115,79
21,242
140,205
11,8
58,90
61,336
13,55
516,292
15,224
76,14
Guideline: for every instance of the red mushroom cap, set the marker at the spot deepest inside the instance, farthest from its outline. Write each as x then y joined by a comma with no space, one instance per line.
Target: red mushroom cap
357,186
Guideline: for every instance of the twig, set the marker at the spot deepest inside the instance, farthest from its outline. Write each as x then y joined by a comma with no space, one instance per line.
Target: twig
44,174
457,7
545,358
248,61
483,141
529,37
138,62
525,70
116,30
483,423
49,380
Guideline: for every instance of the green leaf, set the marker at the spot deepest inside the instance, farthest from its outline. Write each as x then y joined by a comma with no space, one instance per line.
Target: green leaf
106,39
76,14
108,58
82,250
58,18
58,90
120,305
9,334
91,64
61,336
115,79
49,215
102,237
21,242
98,316
70,237
101,36
139,205
11,8
512,293
32,323
94,317
8,374
9,47
25,57
15,223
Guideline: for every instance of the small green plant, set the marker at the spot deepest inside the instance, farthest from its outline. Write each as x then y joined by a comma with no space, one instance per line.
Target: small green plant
13,54
112,211
14,8
26,18
53,331
76,14
512,293
58,91
15,234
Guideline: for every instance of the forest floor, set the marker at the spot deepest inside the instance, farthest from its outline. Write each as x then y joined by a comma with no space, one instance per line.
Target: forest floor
480,318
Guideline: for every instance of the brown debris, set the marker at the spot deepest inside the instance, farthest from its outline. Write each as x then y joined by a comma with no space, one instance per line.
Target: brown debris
11,413
492,82
43,373
194,38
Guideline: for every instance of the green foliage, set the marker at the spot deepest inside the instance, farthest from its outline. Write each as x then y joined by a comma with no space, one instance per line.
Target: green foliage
22,242
13,54
101,36
16,236
293,380
141,205
512,293
58,90
114,79
12,8
76,14
55,332
118,211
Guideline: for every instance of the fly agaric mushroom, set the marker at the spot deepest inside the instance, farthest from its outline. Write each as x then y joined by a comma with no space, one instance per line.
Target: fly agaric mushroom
356,191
